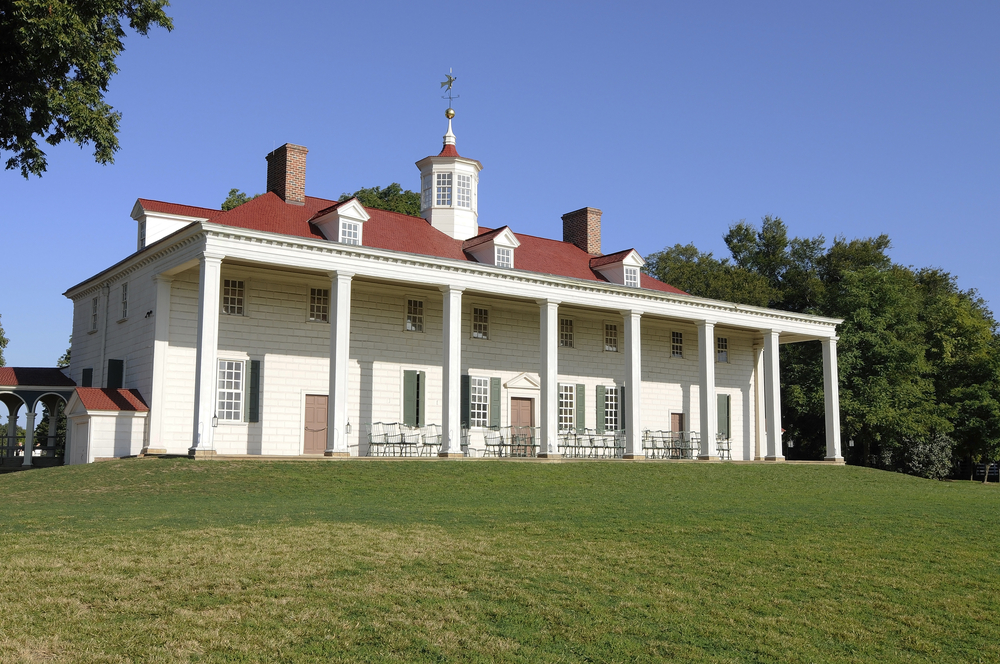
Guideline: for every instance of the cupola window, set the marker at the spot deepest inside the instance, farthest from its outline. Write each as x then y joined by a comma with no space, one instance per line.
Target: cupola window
444,189
632,277
464,191
427,185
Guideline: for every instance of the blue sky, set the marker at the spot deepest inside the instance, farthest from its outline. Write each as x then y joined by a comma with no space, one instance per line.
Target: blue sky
676,119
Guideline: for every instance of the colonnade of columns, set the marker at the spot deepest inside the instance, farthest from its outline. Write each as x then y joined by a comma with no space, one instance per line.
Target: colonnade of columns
13,407
340,330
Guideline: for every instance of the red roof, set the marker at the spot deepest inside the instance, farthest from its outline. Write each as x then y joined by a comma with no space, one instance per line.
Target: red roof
36,376
482,237
105,398
414,235
175,208
608,259
449,151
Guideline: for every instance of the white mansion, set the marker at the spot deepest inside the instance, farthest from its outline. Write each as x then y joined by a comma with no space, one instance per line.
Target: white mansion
291,324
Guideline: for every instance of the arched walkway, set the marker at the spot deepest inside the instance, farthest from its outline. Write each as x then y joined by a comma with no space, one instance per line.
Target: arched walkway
29,387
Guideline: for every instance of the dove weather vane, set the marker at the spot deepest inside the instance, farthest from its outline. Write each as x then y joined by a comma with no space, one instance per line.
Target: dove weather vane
446,84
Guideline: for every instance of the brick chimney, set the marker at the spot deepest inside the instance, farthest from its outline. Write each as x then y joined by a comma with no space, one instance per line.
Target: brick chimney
286,173
583,228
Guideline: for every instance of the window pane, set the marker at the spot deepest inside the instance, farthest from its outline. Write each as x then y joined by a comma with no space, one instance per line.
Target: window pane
443,189
566,332
319,304
722,347
611,337
232,297
479,402
504,257
632,277
677,344
567,407
480,323
611,409
464,193
414,315
230,391
350,232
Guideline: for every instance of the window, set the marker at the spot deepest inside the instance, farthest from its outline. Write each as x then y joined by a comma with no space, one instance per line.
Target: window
632,277
426,187
464,193
230,401
611,337
124,301
444,189
232,297
142,235
414,403
93,313
479,402
350,232
722,349
611,409
566,332
676,344
480,323
414,315
504,257
319,304
567,407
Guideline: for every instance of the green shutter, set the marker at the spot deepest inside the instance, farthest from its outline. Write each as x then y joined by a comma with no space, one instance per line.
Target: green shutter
116,374
410,398
421,398
494,402
581,408
87,379
621,408
465,402
723,413
599,425
253,399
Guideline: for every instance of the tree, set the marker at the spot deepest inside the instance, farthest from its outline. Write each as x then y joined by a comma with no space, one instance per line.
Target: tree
236,198
56,59
704,275
393,198
3,344
64,361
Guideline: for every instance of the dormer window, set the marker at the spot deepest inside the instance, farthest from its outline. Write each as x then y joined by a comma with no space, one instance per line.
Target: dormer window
142,234
620,268
504,257
350,232
443,189
464,191
632,277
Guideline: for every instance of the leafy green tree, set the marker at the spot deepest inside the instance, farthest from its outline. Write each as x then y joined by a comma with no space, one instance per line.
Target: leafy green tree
56,59
235,199
3,344
64,361
684,267
393,198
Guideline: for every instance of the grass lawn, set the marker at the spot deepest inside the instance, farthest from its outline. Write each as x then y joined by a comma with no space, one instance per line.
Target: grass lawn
171,560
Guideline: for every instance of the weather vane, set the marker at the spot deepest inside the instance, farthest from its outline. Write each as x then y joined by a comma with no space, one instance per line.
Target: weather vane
446,84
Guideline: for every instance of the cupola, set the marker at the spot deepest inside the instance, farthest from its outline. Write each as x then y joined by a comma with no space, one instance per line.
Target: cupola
449,185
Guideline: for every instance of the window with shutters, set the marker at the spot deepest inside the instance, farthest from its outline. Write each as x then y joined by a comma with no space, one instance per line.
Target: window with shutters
414,315
232,297
611,422
480,323
676,344
319,304
722,349
230,391
566,332
567,407
611,337
479,402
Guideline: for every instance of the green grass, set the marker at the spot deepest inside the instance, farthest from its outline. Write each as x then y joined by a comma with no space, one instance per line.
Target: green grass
170,560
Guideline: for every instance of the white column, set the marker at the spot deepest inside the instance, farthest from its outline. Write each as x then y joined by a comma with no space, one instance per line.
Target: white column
340,346
706,389
772,396
12,429
29,437
161,343
451,430
831,394
549,374
53,424
633,385
759,417
206,367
